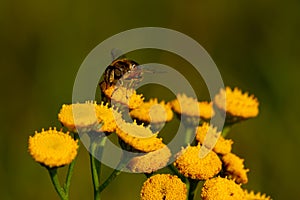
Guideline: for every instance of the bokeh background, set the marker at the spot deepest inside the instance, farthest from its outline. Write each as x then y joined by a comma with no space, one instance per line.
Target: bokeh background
255,45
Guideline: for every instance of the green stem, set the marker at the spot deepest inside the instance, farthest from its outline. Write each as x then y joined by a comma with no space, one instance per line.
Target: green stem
192,188
100,149
189,133
114,174
96,148
95,172
226,130
70,171
176,172
54,178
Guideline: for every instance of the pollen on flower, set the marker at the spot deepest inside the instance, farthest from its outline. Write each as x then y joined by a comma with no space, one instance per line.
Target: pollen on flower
221,188
78,116
258,196
153,112
208,134
191,165
237,104
235,168
52,148
139,137
125,96
191,107
150,162
163,186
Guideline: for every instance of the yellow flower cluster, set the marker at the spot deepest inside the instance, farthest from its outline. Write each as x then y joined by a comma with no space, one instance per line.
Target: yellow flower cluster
224,189
222,171
191,165
163,186
52,148
237,105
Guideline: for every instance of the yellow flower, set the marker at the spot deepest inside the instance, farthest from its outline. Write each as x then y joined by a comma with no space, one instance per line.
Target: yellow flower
139,137
206,131
235,168
79,116
236,104
191,165
223,189
125,96
150,162
163,187
153,112
252,196
107,117
52,148
88,116
191,107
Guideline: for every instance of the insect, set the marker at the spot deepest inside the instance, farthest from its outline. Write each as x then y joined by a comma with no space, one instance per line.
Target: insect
122,70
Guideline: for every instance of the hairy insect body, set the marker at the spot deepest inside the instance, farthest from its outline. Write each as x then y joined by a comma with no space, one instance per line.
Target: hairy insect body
116,70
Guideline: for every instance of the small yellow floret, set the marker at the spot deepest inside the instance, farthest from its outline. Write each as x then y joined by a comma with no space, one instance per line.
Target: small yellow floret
107,117
191,107
191,165
234,166
150,162
258,196
125,96
211,137
163,187
88,116
52,148
79,116
153,112
221,188
138,136
237,104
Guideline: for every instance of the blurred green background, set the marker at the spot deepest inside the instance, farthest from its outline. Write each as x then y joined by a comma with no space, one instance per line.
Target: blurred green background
254,43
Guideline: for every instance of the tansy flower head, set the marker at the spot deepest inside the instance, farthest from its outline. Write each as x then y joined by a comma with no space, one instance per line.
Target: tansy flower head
235,168
191,165
209,134
150,162
221,188
190,107
124,96
163,187
139,137
252,196
236,104
107,117
153,112
79,116
52,148
88,117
